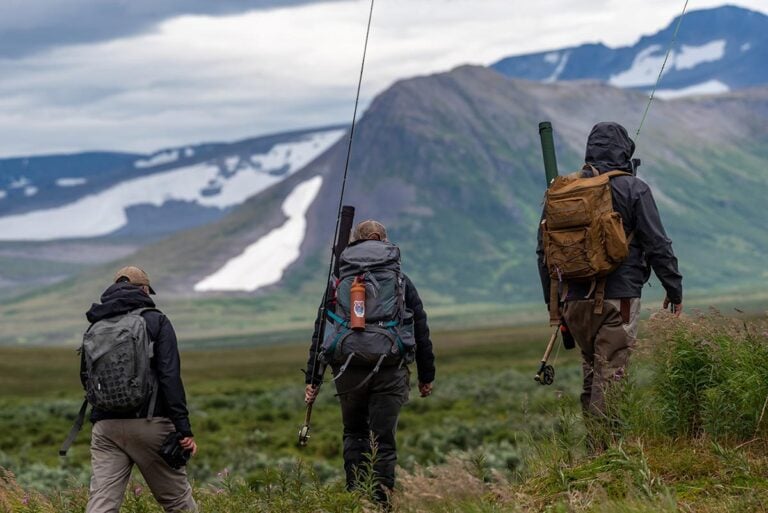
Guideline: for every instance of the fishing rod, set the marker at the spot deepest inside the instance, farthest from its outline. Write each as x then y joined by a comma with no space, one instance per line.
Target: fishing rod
344,220
661,72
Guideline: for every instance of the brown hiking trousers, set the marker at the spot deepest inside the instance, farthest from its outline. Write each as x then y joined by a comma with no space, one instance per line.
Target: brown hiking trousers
606,341
118,444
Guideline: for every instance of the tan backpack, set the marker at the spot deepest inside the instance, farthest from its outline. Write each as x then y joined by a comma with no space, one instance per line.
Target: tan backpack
583,237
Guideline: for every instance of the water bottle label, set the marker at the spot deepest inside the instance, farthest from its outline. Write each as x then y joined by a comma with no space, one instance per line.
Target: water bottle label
359,308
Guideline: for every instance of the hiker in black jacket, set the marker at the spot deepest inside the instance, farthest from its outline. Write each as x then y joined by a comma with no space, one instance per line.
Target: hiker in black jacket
372,407
606,339
120,439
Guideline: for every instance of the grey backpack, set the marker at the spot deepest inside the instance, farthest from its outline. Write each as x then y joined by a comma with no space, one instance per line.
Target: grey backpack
117,353
388,337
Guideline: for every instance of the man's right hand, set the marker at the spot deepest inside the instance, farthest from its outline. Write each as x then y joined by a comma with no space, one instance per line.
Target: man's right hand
188,444
310,393
677,309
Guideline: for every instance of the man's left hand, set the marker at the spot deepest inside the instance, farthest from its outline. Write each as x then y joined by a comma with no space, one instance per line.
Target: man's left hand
425,389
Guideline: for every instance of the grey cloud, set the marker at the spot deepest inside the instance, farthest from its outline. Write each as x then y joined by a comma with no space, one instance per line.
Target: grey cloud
27,27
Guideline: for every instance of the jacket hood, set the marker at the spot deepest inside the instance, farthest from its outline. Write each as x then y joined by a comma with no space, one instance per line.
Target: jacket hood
609,147
119,299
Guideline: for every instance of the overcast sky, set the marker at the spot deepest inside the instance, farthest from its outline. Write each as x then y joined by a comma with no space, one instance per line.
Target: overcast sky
140,75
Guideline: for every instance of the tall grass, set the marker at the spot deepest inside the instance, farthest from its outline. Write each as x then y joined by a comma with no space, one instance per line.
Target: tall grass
710,377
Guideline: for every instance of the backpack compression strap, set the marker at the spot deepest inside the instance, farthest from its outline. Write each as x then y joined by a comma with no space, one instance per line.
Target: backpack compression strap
366,380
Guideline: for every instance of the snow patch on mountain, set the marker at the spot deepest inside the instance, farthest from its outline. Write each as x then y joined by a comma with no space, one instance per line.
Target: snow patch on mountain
20,183
158,159
30,190
708,87
3,194
552,57
264,262
559,69
71,182
206,184
647,63
644,69
691,56
232,163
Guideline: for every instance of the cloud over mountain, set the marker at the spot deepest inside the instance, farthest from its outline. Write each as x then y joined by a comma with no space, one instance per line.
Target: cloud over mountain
28,27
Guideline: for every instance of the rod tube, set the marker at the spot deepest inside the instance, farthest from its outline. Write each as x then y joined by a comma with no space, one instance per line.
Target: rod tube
548,150
342,238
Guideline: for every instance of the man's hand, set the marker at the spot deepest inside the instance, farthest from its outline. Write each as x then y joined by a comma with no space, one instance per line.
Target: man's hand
425,389
677,309
310,393
188,444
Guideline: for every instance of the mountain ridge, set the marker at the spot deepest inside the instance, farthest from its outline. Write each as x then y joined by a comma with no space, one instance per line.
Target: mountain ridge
717,50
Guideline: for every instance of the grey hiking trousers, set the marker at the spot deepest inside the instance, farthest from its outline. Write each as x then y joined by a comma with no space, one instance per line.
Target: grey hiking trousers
118,444
606,341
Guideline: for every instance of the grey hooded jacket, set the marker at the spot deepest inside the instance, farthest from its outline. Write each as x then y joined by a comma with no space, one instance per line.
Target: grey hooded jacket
608,148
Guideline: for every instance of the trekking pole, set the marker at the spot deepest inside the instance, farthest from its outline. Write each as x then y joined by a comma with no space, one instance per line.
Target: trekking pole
304,431
546,374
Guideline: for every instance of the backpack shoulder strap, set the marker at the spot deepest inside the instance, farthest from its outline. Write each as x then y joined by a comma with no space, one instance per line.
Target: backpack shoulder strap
142,311
155,384
616,172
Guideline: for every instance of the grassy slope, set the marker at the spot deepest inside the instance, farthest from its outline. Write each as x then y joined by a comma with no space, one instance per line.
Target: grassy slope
490,440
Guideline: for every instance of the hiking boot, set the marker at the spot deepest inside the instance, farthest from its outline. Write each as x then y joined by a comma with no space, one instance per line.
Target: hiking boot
383,498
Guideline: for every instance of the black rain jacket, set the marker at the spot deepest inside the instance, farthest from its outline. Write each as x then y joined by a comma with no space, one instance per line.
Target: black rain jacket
425,357
609,148
122,298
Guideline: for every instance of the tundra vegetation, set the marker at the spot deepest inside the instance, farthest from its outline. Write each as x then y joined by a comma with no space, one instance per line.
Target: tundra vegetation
692,431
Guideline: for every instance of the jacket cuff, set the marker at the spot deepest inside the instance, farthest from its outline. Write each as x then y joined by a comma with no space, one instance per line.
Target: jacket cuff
318,380
675,298
427,377
183,426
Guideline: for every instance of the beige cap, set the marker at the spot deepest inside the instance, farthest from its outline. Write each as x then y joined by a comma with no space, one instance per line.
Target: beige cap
135,275
369,229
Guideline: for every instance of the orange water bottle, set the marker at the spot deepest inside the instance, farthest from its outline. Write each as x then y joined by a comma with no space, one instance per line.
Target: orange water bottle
357,305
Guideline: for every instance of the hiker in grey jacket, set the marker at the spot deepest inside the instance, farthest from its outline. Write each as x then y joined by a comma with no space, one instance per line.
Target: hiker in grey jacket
371,401
606,339
121,439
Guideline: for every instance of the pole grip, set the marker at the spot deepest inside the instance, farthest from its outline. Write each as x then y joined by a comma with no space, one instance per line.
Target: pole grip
548,151
550,346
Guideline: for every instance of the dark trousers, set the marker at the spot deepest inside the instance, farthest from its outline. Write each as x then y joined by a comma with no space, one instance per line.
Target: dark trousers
371,412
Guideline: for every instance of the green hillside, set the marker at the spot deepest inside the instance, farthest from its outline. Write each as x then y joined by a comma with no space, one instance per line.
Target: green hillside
451,163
